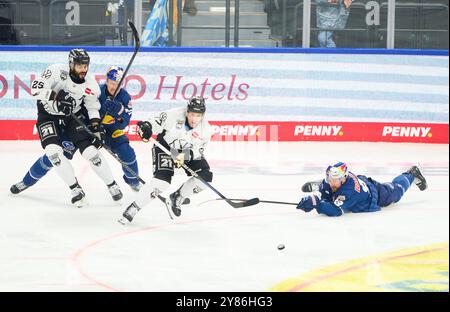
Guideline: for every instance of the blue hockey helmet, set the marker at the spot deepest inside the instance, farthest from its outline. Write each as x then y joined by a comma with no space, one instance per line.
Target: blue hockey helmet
114,73
337,171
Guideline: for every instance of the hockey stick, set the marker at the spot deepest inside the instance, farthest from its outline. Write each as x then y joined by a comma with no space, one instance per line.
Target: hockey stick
137,46
124,165
244,203
265,201
136,49
107,148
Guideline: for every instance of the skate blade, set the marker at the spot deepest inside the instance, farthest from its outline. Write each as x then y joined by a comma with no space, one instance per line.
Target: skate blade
81,203
123,221
169,209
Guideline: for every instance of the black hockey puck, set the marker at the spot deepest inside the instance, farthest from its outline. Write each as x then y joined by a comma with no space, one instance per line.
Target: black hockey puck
281,247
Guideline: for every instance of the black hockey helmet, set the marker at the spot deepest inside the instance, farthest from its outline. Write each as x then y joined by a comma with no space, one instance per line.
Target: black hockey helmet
79,56
196,104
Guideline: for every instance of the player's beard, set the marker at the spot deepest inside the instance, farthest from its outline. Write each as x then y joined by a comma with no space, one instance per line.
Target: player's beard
78,77
82,75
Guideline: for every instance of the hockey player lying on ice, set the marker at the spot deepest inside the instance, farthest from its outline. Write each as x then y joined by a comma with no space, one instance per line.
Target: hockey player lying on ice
342,191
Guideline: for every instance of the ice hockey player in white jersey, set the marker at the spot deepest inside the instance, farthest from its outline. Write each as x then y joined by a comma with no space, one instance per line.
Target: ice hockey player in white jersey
63,89
186,133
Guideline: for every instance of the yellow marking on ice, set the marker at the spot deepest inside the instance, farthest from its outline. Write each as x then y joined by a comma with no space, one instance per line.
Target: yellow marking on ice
423,268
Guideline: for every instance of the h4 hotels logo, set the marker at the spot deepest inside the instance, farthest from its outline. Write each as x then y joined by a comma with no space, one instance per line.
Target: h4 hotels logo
318,130
407,131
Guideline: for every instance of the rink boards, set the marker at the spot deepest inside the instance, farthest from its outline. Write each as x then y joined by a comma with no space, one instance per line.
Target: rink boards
264,96
281,131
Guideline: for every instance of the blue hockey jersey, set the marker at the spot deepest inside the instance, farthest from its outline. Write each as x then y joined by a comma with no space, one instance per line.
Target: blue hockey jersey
357,194
110,123
114,126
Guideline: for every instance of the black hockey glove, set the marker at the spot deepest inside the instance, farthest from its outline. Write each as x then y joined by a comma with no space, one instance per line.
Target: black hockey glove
98,140
144,130
65,103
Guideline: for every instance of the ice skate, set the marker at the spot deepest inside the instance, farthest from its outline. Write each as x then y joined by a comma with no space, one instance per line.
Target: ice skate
419,179
78,196
115,191
129,213
18,187
174,203
135,187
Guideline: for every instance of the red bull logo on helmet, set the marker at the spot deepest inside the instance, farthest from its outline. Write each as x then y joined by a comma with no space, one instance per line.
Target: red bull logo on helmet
114,73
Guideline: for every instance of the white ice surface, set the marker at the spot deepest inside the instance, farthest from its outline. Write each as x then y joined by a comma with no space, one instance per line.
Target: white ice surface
46,244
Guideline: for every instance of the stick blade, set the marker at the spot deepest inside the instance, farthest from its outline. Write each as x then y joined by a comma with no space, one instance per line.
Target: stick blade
246,203
312,186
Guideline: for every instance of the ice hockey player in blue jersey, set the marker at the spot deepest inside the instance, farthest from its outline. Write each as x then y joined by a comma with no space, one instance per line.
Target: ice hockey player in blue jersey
342,191
115,117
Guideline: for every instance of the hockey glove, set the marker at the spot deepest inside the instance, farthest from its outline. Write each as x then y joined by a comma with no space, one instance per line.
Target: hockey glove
179,160
308,203
65,103
113,108
325,190
98,140
144,130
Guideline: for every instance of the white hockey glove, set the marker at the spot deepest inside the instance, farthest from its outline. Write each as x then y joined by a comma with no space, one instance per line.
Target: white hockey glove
179,158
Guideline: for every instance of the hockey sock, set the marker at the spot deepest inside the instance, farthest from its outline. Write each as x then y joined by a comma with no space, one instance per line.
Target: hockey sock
37,170
62,165
404,180
149,190
128,156
98,164
190,187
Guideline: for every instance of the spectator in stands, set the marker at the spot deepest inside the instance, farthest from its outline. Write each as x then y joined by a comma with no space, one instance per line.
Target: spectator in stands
190,7
121,19
8,33
331,15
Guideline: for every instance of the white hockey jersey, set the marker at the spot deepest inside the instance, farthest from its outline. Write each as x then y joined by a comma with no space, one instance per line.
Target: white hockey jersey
55,78
178,136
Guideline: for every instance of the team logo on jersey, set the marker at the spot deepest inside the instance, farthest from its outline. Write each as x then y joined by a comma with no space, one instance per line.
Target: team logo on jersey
46,74
117,133
68,146
162,118
180,124
63,75
47,130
